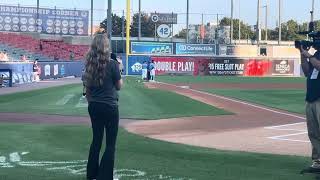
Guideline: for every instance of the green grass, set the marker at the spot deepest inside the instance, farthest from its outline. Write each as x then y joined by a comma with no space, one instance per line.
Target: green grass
286,99
67,143
289,100
228,79
136,102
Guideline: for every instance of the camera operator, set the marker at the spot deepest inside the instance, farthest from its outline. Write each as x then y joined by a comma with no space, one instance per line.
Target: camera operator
311,67
118,60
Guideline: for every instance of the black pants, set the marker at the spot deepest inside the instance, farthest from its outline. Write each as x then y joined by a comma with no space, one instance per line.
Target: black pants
148,75
103,117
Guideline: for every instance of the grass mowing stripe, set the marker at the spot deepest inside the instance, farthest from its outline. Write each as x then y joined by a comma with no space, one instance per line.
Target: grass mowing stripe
155,158
136,102
228,79
291,100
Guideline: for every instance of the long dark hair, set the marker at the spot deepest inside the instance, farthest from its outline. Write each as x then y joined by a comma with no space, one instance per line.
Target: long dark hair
97,60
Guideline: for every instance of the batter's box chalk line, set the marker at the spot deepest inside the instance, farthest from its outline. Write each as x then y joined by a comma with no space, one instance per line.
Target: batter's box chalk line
75,167
289,127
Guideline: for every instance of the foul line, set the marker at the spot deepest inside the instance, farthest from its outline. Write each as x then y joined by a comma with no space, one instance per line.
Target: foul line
284,137
280,128
241,102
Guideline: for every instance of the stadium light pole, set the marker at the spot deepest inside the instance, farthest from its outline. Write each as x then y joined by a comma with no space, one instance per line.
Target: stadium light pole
280,23
312,11
128,35
91,18
231,26
187,35
139,26
258,31
267,14
266,22
38,6
109,25
239,21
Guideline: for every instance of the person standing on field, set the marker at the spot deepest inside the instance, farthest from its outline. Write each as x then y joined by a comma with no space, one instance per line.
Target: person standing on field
102,81
152,71
311,67
144,70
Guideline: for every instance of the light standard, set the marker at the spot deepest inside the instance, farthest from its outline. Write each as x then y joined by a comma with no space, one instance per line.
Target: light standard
231,26
239,22
187,35
109,28
266,22
279,25
139,26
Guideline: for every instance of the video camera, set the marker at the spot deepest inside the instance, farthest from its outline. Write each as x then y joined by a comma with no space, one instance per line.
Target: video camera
314,35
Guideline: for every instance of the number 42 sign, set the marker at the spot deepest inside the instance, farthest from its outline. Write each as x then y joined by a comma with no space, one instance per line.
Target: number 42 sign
164,31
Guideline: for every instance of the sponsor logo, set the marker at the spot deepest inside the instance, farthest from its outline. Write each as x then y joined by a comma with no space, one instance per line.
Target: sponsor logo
80,31
7,27
80,24
31,28
137,67
283,67
24,20
15,20
65,23
47,70
57,23
192,48
7,20
32,21
49,22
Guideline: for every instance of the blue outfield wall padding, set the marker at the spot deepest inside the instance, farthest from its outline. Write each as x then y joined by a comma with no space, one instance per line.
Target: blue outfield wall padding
7,77
135,64
21,72
58,69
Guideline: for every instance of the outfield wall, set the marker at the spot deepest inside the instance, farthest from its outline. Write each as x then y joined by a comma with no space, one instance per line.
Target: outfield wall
59,69
217,66
22,72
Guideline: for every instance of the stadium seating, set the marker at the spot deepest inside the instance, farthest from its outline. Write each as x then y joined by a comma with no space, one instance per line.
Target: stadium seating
17,44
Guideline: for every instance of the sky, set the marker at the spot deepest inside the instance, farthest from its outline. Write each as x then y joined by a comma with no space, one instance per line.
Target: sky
292,9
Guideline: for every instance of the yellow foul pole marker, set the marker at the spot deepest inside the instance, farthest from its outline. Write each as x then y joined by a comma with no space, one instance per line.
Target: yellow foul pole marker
128,36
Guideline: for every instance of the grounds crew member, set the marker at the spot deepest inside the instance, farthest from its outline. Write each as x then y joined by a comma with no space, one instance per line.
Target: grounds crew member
311,67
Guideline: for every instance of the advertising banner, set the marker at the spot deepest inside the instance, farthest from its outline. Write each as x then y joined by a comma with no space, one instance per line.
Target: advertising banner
255,67
6,77
21,72
151,48
174,65
226,67
48,21
195,49
164,18
282,67
234,67
225,50
60,69
135,64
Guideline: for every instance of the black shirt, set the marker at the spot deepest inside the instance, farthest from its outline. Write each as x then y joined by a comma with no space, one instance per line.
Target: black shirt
313,82
35,68
107,93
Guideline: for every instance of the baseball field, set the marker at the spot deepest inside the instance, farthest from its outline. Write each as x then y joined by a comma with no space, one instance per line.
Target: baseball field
182,128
